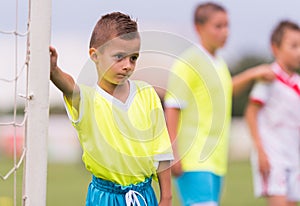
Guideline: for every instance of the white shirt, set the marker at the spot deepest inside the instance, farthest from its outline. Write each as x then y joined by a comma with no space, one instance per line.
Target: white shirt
279,118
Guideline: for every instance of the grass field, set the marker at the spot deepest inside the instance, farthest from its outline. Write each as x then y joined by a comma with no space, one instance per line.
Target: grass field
67,186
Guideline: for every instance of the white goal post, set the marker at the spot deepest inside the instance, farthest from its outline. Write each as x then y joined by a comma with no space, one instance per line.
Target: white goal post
35,165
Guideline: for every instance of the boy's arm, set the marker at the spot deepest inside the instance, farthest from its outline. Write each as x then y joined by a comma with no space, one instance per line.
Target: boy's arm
172,120
63,81
243,80
164,178
251,117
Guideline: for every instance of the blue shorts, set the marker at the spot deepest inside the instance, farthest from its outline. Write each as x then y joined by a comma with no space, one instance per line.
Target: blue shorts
199,187
102,193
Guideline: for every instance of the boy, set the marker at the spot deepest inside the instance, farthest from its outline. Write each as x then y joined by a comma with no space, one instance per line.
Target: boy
120,123
273,117
198,109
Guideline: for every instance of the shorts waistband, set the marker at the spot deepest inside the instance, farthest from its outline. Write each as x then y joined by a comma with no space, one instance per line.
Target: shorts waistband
112,187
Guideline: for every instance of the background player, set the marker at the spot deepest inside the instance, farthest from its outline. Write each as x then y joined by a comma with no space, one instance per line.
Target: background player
273,116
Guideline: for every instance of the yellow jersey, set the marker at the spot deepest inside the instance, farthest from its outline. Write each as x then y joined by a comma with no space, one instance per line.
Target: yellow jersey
201,87
121,142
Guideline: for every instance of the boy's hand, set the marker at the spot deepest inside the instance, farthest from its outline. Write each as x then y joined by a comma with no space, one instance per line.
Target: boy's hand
53,58
264,165
264,72
165,202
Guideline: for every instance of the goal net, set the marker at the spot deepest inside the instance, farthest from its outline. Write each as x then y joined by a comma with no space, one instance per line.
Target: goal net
24,105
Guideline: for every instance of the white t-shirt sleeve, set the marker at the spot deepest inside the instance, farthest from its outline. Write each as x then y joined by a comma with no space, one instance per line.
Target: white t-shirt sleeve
260,92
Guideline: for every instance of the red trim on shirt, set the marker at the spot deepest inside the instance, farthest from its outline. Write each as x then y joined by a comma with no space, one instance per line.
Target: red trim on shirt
291,81
256,101
295,87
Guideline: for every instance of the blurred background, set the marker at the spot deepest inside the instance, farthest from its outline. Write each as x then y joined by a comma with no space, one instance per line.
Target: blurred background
251,23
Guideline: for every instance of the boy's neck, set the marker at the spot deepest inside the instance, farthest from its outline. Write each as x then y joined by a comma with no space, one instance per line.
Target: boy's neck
120,92
209,49
286,69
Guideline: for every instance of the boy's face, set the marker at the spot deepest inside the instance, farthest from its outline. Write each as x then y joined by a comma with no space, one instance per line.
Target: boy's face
288,53
117,60
215,31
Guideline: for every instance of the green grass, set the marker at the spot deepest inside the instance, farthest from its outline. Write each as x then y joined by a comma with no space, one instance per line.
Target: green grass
67,185
238,188
7,187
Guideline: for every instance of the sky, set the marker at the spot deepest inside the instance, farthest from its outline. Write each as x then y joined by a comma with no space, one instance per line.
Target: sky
251,23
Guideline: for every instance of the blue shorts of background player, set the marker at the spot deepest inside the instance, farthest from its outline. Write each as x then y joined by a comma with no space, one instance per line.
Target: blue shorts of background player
193,188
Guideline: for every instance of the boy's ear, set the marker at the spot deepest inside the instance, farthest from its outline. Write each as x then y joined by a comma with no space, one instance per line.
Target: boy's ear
198,28
274,48
93,54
